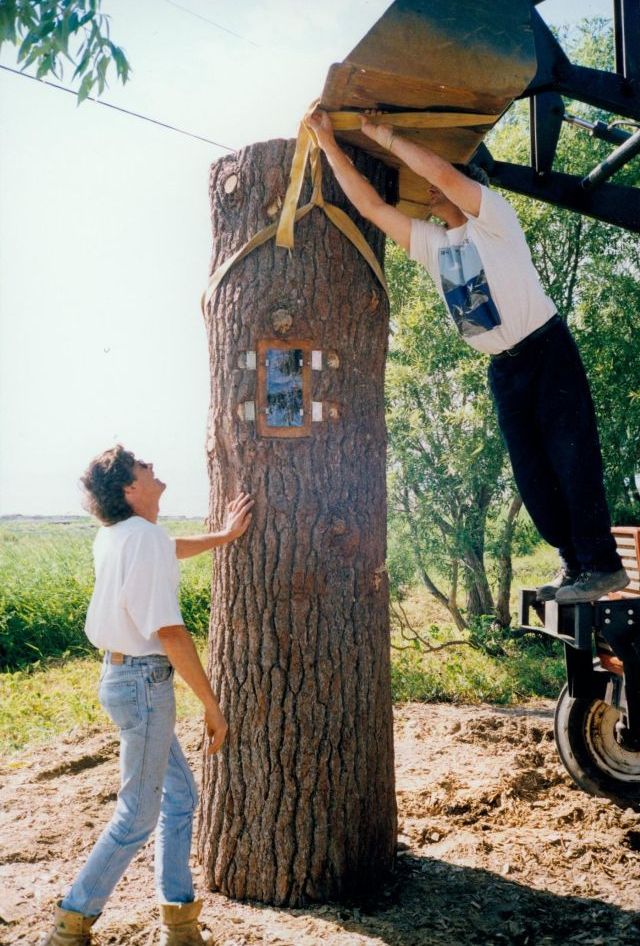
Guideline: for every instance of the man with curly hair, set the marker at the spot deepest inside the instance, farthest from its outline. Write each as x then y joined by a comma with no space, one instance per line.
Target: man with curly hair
481,265
134,616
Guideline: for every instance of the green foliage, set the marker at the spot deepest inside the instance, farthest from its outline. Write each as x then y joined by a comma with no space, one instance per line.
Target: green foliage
49,32
487,635
606,329
46,579
44,700
450,483
591,270
447,460
466,675
492,663
401,567
45,584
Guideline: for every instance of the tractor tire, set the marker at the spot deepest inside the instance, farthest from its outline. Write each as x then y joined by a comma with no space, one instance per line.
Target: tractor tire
584,731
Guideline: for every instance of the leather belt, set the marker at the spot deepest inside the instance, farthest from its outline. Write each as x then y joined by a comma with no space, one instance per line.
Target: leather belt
510,352
115,657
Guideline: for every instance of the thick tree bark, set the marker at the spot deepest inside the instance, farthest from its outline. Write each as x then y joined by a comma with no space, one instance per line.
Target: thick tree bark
299,805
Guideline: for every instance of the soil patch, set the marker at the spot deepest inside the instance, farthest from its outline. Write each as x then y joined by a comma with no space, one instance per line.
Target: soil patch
497,845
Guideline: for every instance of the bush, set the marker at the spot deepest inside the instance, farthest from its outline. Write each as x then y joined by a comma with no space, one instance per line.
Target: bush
45,586
46,580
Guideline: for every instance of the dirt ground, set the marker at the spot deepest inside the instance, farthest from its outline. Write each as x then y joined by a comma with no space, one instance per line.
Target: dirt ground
497,846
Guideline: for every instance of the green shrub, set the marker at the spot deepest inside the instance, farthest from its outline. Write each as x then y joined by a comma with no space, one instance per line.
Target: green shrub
45,585
46,577
46,580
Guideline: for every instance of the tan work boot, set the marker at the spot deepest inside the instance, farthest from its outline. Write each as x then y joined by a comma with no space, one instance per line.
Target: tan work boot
179,924
69,929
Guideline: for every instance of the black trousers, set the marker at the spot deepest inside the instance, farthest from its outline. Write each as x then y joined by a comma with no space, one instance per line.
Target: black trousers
546,416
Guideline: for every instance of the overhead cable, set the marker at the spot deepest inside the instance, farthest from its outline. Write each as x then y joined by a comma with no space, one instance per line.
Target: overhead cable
204,19
117,108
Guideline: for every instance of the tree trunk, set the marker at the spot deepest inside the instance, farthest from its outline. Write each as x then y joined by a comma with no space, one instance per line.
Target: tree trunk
505,563
300,804
479,598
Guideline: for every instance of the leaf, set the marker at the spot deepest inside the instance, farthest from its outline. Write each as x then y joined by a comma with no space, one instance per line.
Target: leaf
85,88
62,36
26,44
82,65
25,16
8,22
47,64
122,64
103,65
33,55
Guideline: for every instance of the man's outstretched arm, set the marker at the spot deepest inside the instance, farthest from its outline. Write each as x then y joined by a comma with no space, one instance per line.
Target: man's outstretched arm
236,524
461,190
360,192
183,656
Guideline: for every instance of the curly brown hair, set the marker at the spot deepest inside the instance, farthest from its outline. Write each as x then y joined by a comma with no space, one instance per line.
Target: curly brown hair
104,481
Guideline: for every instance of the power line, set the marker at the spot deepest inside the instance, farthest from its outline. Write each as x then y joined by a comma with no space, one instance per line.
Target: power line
117,108
204,19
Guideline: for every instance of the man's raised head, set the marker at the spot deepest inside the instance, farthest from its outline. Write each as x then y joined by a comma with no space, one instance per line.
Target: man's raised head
104,483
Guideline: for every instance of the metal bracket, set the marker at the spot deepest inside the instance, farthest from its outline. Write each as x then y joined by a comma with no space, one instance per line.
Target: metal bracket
571,624
618,617
616,92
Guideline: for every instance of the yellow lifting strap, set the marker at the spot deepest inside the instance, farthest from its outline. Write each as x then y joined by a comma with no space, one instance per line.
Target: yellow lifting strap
308,152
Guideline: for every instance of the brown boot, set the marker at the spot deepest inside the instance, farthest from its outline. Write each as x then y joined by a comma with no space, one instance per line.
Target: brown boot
179,924
70,929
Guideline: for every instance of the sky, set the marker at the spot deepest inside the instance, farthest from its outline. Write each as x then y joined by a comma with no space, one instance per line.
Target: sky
105,235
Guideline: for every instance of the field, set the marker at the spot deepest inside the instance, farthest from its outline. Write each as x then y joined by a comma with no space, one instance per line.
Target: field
49,669
497,846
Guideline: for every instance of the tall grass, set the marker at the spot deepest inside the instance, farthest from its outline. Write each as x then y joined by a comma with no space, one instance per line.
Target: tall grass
50,670
43,701
46,578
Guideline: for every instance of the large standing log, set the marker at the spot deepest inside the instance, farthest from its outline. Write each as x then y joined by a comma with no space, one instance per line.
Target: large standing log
300,803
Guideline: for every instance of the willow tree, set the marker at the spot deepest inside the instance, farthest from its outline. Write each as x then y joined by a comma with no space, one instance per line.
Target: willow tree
300,803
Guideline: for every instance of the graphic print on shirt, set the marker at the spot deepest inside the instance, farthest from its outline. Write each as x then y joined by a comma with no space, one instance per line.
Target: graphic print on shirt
466,290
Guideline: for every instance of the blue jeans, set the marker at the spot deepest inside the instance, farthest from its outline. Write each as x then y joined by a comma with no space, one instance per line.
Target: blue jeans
157,789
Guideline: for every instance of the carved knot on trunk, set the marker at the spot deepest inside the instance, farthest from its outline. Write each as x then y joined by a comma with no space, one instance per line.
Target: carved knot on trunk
281,321
378,577
230,183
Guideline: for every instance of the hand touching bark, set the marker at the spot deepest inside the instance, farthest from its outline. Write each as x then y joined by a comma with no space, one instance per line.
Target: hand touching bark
238,517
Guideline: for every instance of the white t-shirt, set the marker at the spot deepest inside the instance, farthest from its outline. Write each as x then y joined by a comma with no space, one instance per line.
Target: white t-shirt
136,589
484,273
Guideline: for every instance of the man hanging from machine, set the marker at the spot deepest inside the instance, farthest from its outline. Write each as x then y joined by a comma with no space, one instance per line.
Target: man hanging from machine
481,265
